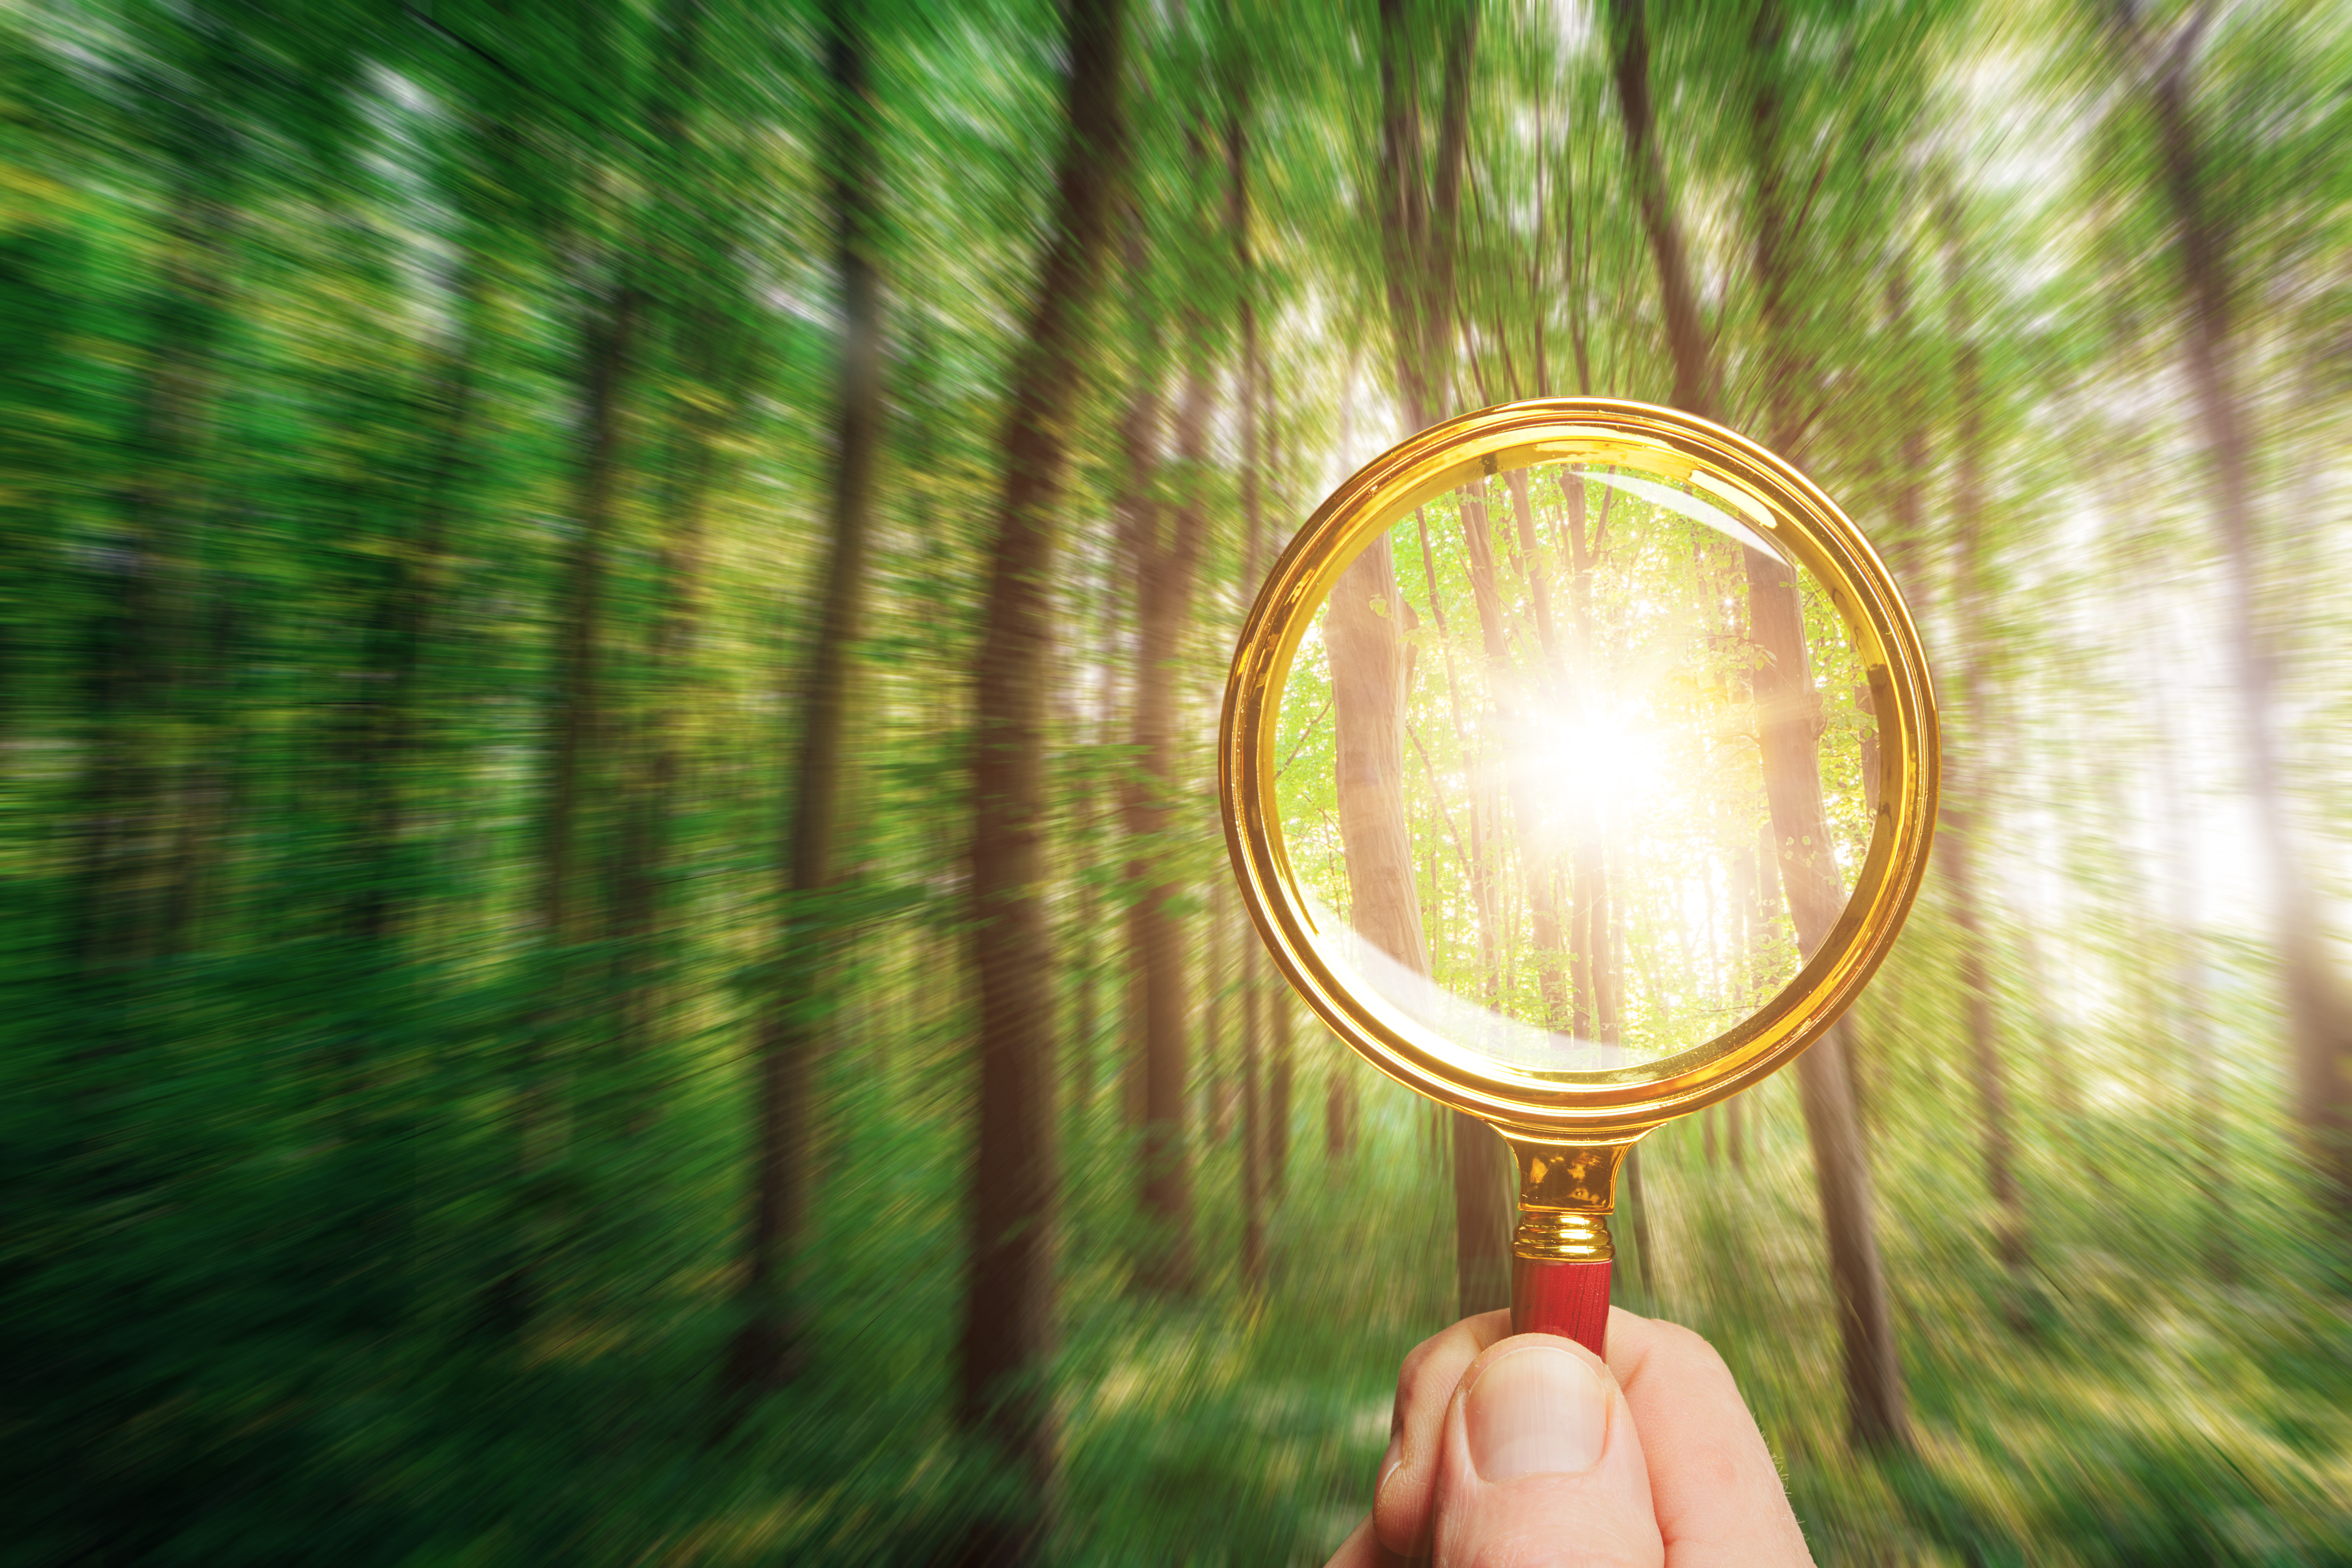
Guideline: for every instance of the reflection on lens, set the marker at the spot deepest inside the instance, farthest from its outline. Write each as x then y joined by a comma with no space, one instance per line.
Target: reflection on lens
1519,779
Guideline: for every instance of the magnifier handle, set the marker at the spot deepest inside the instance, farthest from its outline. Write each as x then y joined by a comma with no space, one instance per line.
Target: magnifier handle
1560,1278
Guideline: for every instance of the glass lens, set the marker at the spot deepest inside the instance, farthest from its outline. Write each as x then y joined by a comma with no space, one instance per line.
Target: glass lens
1522,767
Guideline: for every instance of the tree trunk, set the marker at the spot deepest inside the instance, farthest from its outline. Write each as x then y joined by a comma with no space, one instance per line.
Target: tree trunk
768,1349
1163,608
1788,725
1478,864
1418,230
1220,1074
135,823
1368,661
1591,980
686,314
1483,1202
1419,220
1808,879
580,721
394,723
1138,531
1252,965
1280,1013
1368,669
1638,1210
1281,1050
1008,1317
1694,376
1907,505
2319,1011
580,724
1963,793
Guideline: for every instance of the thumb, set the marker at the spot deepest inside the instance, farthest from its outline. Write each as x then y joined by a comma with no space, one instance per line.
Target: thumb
1541,1465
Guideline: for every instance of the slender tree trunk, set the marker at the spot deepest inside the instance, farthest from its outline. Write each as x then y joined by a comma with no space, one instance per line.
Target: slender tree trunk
580,720
1956,844
1477,864
1418,231
1693,375
1637,1204
1137,544
1254,1141
2319,1011
1591,980
1008,1321
1368,668
1085,1021
1483,1206
1789,726
1163,609
1809,876
581,725
1955,851
135,827
1220,1078
1908,501
684,314
768,1351
394,722
1280,1016
2063,1090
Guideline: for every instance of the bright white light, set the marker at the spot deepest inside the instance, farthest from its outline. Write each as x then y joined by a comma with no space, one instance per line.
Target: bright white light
1605,760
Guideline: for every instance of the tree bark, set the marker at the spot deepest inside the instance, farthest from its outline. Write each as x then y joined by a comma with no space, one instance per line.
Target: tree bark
1252,965
683,311
1789,726
1008,1317
1418,220
1368,668
394,722
1685,338
1166,569
1418,229
579,720
581,725
768,1349
1809,880
1908,501
1592,979
2318,1008
1280,1055
1963,793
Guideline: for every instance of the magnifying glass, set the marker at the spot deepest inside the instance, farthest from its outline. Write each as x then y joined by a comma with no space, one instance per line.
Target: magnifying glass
1579,766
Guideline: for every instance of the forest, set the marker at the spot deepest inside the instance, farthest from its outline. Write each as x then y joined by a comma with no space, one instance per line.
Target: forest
616,937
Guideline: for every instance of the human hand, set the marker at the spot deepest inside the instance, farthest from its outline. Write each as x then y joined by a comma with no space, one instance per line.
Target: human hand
1525,1450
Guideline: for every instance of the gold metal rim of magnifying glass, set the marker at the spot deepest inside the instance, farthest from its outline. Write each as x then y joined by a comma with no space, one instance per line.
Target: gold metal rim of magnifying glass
1793,513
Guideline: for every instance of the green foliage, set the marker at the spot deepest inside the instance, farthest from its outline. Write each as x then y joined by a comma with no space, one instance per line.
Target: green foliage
357,1210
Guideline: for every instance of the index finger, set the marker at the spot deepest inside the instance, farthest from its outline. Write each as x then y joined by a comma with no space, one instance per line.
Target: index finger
1717,1493
1408,1478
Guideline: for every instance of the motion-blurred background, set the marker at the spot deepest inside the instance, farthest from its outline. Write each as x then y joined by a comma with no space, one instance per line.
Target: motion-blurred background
617,944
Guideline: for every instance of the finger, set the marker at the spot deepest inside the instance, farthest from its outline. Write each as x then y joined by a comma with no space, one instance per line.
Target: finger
1718,1494
1362,1548
1425,1385
1539,1464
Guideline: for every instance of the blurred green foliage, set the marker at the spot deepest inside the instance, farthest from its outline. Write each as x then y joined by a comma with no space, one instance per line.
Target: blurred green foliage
358,1211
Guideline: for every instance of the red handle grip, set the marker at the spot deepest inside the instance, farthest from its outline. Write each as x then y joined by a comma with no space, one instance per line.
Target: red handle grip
1570,1299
